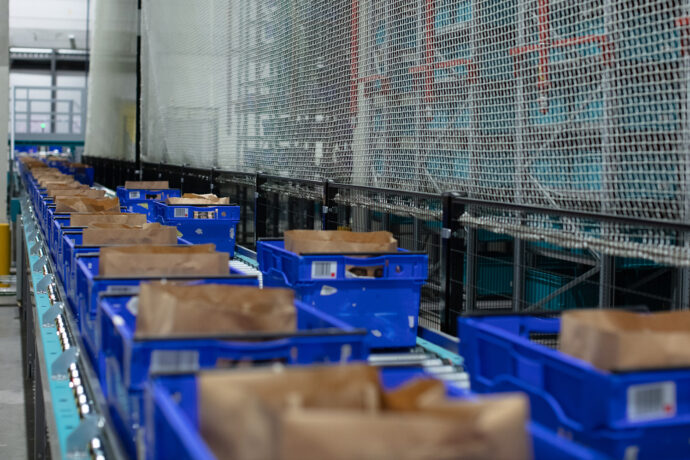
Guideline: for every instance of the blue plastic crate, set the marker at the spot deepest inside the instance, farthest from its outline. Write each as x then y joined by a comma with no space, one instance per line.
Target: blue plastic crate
71,245
128,361
139,200
388,306
201,224
89,285
547,445
571,396
171,428
71,239
82,174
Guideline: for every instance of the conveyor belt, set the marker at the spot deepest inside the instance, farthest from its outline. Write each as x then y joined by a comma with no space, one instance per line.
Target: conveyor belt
69,398
71,420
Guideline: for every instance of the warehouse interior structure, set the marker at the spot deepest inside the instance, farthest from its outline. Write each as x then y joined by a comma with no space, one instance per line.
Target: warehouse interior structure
530,160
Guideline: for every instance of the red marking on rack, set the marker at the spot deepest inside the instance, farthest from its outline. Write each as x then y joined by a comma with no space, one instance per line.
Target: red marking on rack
683,23
545,45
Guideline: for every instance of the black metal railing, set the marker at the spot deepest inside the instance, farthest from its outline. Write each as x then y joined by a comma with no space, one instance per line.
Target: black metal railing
470,269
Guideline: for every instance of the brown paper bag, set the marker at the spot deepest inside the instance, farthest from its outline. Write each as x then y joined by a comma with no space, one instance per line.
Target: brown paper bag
77,204
333,242
167,309
623,341
50,191
148,184
98,234
77,192
86,219
192,199
50,181
342,412
198,260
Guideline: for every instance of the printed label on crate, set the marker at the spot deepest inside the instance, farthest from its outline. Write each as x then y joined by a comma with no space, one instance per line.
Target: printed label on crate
324,270
174,361
651,401
181,212
133,290
134,195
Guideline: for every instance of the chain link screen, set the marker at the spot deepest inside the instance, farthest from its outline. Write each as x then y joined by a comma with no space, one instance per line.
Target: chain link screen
574,105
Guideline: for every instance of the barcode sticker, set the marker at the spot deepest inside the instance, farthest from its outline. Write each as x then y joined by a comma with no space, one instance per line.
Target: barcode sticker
114,289
324,270
174,361
651,401
134,195
181,212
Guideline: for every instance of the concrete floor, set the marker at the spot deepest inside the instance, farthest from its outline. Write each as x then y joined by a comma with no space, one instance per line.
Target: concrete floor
12,418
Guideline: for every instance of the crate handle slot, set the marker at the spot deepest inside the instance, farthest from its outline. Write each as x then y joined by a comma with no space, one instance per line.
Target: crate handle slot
365,271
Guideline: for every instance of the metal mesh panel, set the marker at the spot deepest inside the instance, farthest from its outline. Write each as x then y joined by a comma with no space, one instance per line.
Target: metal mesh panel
111,118
575,105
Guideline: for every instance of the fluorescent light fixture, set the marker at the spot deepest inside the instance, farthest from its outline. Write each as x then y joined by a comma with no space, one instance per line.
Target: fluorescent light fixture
72,52
31,50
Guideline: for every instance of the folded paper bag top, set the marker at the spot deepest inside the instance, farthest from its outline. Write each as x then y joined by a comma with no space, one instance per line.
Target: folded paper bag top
147,184
82,204
342,412
86,219
47,182
333,242
101,233
86,193
193,260
196,199
166,309
54,189
618,340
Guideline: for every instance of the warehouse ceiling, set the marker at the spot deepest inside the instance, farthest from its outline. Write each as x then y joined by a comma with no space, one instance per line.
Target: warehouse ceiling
48,23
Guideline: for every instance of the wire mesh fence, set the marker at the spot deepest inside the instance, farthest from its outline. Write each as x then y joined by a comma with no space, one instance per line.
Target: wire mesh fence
578,106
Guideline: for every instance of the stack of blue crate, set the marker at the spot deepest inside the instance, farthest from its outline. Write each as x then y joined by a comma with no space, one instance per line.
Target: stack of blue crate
201,223
138,196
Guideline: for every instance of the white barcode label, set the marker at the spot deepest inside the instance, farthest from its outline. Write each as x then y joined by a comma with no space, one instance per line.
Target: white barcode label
651,401
181,212
133,290
324,270
134,195
174,361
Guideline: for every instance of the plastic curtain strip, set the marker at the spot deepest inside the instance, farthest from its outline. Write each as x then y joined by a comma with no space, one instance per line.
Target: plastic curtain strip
111,119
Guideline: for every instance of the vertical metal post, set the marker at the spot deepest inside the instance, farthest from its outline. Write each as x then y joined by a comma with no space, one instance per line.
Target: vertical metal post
452,264
682,278
471,270
607,275
607,263
518,274
53,90
211,180
330,211
309,210
519,246
261,206
71,117
293,205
